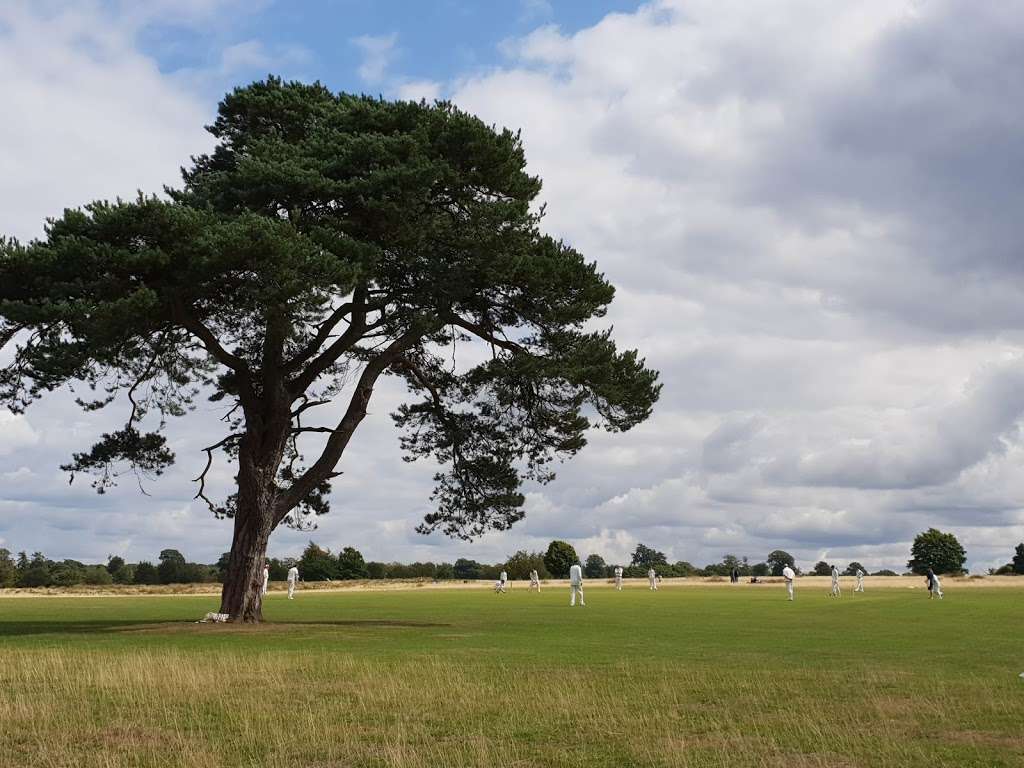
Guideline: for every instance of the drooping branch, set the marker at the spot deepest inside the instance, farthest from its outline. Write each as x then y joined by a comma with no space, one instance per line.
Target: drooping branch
201,479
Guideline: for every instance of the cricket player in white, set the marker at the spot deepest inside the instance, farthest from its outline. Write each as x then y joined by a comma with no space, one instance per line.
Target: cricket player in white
836,592
503,579
788,574
293,578
576,584
266,579
535,580
860,581
652,578
934,585
618,578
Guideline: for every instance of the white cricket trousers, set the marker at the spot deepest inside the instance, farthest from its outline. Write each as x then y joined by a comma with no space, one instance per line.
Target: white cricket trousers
860,585
291,590
618,584
789,588
654,584
576,589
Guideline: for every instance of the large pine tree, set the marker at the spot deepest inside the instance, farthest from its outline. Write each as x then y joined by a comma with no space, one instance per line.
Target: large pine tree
327,241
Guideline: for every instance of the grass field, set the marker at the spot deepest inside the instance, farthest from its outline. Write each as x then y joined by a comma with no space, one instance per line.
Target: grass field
702,676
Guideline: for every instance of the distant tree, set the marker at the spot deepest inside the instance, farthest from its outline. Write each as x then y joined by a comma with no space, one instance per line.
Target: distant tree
376,570
222,565
522,562
885,572
37,572
351,564
731,561
716,569
594,567
645,557
197,573
146,573
114,564
67,574
852,568
317,564
1003,570
938,551
759,569
683,568
821,568
97,575
465,568
8,569
278,570
1018,559
444,571
778,560
559,558
125,574
172,567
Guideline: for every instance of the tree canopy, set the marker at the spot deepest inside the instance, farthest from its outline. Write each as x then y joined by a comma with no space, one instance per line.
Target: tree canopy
595,567
328,240
559,558
936,550
779,559
647,557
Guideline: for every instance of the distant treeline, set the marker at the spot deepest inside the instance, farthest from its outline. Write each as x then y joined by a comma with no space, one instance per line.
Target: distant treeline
320,564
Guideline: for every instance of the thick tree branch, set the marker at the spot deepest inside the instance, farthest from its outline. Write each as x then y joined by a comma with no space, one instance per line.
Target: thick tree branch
324,466
324,331
483,333
183,315
210,342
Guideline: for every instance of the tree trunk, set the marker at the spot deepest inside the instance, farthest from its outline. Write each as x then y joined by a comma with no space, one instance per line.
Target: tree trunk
241,597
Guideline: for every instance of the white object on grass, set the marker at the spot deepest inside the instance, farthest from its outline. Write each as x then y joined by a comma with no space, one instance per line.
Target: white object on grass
215,618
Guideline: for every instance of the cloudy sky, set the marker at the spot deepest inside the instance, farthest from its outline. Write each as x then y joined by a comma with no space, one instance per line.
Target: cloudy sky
810,209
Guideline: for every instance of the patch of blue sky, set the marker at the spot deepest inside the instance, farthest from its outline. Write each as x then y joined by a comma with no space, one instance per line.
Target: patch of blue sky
430,40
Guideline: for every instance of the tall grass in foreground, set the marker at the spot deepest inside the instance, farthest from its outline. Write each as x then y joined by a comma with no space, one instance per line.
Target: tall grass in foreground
60,707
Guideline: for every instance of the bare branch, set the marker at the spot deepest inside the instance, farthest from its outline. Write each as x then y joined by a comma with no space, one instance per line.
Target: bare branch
6,334
307,404
324,466
323,333
357,327
201,479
